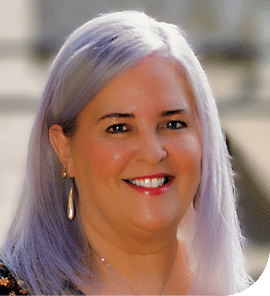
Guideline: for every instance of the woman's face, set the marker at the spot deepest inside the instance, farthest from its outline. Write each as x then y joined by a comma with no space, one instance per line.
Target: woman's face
136,154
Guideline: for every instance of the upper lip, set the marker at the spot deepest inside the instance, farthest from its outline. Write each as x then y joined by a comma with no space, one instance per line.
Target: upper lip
160,175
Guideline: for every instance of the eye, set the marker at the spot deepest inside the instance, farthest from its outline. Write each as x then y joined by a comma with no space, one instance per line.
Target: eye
173,125
117,129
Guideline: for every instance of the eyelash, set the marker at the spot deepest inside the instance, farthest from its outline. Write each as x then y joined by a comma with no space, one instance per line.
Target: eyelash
116,126
122,125
183,124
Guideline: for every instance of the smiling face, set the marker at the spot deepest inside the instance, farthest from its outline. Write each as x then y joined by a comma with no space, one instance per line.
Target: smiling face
136,153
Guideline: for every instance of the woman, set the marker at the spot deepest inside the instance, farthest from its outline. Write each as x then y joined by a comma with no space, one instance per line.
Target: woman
145,204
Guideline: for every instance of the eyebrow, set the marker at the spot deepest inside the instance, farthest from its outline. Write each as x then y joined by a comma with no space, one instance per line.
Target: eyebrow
131,115
117,115
173,112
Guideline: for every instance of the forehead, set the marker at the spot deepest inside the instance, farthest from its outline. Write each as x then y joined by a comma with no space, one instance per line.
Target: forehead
155,82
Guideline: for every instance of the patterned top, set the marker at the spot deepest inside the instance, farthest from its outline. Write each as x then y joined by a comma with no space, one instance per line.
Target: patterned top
10,286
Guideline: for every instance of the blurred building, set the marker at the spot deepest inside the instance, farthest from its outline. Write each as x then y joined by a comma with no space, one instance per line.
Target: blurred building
209,23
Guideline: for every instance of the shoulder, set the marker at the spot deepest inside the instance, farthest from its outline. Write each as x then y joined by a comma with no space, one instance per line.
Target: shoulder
8,284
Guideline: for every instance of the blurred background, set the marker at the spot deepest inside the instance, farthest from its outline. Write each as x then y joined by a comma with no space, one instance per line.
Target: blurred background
232,41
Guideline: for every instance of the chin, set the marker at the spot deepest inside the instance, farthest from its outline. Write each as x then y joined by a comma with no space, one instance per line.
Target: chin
156,223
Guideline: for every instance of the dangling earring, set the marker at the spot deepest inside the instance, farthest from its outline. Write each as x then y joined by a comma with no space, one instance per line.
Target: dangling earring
70,207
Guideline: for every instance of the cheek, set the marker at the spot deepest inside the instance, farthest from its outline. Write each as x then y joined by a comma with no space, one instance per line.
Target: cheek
187,154
105,158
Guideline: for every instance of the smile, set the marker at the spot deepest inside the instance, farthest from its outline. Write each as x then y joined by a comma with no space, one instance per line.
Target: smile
151,185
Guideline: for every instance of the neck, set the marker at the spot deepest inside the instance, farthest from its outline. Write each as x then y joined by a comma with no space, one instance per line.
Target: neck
139,274
145,264
142,256
143,275
131,246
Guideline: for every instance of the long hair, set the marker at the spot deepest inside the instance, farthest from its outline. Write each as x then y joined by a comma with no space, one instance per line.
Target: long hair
44,248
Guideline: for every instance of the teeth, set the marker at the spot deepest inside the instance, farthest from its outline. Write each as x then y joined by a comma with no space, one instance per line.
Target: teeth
155,183
148,183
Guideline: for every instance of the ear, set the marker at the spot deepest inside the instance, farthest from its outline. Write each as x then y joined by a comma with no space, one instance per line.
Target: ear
61,145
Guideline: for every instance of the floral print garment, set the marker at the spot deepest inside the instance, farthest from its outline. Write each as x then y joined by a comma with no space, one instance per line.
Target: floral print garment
8,284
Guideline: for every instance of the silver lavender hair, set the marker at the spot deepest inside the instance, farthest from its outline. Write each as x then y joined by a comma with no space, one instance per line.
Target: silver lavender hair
43,247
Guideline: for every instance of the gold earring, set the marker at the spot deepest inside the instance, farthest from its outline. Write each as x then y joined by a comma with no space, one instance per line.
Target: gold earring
70,207
64,173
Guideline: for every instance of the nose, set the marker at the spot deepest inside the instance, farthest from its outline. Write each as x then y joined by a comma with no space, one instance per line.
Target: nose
150,149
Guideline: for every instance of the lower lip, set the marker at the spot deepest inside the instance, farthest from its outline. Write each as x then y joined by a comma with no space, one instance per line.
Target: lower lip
152,191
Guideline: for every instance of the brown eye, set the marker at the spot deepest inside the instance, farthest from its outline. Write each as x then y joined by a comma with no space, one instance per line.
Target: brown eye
175,125
117,129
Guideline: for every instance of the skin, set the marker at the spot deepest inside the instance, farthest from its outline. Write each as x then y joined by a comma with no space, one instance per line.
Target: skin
136,233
